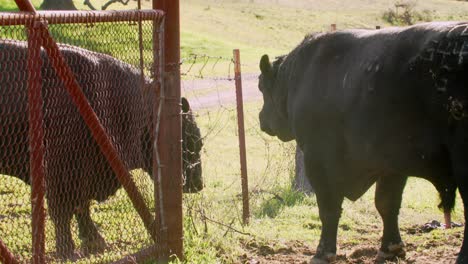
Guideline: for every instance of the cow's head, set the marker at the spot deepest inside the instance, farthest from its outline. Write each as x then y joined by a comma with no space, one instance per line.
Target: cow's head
273,116
191,142
191,148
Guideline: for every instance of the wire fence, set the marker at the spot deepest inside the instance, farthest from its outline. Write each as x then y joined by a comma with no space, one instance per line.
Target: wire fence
209,85
112,57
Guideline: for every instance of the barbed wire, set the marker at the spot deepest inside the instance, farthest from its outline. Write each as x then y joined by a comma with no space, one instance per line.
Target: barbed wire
208,83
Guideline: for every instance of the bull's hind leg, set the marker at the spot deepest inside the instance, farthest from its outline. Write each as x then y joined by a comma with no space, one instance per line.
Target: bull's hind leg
388,196
91,241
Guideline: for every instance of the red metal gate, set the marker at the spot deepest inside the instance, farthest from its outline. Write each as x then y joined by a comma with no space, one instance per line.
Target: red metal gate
90,126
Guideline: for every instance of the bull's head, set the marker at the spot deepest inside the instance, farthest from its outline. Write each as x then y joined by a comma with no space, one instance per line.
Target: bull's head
191,147
273,116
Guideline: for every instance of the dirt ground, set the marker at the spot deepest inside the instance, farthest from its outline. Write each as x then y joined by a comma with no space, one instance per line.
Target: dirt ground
440,251
298,253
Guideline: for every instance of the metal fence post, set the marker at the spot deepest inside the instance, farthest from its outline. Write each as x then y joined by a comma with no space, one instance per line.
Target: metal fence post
36,140
240,123
36,134
6,256
171,129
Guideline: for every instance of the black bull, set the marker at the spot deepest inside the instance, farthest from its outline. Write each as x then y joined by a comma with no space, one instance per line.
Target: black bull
76,170
370,106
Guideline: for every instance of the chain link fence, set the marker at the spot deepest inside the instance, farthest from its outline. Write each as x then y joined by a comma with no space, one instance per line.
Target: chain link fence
115,60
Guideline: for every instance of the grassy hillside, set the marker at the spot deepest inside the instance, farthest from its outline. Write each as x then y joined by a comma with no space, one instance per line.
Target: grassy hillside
215,27
276,26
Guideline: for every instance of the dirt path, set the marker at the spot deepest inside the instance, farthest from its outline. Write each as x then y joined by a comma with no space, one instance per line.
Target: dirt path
213,92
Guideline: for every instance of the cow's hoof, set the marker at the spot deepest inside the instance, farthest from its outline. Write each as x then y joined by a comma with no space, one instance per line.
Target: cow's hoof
325,259
94,246
394,251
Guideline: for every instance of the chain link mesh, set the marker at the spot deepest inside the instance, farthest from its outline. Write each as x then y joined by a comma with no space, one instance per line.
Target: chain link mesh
90,218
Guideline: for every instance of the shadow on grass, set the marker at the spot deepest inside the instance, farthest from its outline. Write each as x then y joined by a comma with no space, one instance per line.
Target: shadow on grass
278,199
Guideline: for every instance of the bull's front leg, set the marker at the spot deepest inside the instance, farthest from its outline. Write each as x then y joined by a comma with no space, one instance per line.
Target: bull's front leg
91,241
329,199
330,213
388,196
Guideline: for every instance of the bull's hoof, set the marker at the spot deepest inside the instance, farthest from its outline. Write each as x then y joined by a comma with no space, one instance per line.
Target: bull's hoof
324,259
394,251
94,246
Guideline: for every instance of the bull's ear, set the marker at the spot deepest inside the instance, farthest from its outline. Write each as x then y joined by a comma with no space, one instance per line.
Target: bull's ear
185,105
265,65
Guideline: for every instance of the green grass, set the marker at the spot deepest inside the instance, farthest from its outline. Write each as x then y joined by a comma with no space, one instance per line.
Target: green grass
275,27
116,219
10,5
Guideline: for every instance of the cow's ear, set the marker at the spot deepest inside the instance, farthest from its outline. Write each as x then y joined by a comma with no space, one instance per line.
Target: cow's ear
265,65
185,105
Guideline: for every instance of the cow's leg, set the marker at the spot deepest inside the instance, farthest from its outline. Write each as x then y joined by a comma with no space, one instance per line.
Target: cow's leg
61,216
330,212
388,196
91,241
324,175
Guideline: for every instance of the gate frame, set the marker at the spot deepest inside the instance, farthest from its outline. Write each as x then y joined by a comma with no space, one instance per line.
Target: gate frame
37,33
172,123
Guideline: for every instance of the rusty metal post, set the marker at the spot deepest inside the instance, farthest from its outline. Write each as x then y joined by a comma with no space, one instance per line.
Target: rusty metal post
170,146
6,256
36,135
242,149
25,6
36,142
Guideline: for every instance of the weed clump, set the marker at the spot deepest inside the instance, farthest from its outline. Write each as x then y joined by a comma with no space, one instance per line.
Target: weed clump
405,13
